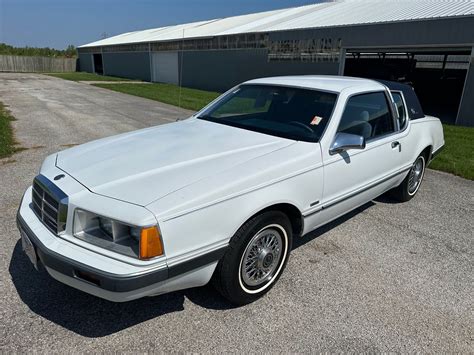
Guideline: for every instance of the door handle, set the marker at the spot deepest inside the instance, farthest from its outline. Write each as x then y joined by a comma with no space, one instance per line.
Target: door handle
396,144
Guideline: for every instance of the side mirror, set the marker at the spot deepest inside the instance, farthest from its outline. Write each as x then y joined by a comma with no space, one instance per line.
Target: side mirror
345,141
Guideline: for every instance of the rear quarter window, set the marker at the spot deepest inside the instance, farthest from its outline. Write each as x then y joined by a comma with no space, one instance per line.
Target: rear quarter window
402,112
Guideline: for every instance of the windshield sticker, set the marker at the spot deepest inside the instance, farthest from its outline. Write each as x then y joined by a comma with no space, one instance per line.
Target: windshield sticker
316,120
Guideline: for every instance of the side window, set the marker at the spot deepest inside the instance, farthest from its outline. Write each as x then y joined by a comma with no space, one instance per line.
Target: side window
367,115
402,113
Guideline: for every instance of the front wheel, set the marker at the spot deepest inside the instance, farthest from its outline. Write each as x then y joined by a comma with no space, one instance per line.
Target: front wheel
411,184
255,259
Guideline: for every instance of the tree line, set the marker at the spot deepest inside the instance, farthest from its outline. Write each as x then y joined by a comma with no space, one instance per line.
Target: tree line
69,52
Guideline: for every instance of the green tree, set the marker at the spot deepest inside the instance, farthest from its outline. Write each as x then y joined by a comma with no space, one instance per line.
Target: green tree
6,49
70,51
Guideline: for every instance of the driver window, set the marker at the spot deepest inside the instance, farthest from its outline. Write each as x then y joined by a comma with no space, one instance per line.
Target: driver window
367,115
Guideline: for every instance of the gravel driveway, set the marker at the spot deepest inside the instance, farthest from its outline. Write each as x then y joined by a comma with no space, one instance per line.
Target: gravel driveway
386,277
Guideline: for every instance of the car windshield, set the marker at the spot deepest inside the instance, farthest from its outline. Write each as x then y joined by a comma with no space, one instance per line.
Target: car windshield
294,113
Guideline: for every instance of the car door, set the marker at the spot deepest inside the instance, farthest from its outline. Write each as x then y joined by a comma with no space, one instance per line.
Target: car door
355,176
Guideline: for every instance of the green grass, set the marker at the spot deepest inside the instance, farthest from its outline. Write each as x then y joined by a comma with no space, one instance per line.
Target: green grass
7,141
457,157
83,76
191,99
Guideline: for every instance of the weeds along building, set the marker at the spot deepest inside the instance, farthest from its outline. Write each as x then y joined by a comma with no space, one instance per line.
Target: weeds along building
428,43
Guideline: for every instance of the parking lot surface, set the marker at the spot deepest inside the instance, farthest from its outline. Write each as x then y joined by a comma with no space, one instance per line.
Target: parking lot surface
386,277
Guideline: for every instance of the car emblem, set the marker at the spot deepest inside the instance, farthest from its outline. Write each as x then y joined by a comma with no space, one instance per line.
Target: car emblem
60,176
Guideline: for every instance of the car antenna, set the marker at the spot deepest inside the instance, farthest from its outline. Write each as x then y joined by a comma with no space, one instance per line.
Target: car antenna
181,69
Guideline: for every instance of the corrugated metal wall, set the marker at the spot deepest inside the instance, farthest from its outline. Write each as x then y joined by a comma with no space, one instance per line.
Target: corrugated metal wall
131,65
220,70
466,109
85,62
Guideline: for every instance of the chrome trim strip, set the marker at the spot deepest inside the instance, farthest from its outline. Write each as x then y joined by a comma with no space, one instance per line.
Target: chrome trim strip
436,152
49,205
52,189
51,218
311,212
355,193
391,176
405,107
36,203
40,195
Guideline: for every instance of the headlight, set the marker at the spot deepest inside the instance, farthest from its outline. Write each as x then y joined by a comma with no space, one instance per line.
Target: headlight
138,242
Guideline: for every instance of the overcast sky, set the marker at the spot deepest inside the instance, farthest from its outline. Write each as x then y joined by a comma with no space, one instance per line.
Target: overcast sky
57,23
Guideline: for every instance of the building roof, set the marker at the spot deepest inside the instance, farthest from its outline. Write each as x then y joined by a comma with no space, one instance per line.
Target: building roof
326,14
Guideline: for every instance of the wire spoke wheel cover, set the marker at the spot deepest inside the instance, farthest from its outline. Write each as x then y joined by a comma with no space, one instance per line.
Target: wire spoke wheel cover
416,175
262,259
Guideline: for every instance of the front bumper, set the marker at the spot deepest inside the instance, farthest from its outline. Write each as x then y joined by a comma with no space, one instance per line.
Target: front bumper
99,278
105,276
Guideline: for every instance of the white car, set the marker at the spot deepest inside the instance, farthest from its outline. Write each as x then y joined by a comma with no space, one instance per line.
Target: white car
221,195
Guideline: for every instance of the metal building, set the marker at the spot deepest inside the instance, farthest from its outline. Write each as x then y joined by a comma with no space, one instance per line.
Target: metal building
428,43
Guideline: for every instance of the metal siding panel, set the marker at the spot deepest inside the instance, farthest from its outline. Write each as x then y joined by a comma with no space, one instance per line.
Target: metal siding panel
220,70
85,62
132,65
466,108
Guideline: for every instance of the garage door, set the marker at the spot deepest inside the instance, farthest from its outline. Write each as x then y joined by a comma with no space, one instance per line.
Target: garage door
165,67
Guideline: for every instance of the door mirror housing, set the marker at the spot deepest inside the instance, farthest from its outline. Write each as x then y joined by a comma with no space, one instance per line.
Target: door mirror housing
346,141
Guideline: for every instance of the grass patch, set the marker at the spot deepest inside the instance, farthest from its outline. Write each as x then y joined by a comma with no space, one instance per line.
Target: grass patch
7,141
83,76
457,157
191,99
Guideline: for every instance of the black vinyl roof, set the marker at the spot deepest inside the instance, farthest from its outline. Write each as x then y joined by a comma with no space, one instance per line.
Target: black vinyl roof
413,104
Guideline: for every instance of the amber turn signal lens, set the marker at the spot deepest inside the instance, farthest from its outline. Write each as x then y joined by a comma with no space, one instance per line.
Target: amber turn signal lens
150,243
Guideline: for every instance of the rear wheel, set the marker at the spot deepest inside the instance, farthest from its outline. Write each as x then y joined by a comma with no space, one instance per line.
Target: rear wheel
411,184
255,259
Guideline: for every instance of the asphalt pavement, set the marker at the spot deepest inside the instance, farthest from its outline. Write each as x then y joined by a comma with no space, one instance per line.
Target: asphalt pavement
386,277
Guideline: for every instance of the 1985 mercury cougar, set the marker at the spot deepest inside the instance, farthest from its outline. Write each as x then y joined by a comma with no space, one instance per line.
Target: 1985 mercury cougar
220,196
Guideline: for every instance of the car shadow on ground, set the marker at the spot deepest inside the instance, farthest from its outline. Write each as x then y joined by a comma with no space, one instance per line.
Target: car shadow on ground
93,317
387,200
80,312
300,241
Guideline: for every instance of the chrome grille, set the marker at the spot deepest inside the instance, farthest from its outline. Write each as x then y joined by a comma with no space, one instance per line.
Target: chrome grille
49,204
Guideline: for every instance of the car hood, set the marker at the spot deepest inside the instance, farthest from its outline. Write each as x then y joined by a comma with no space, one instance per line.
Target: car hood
143,166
